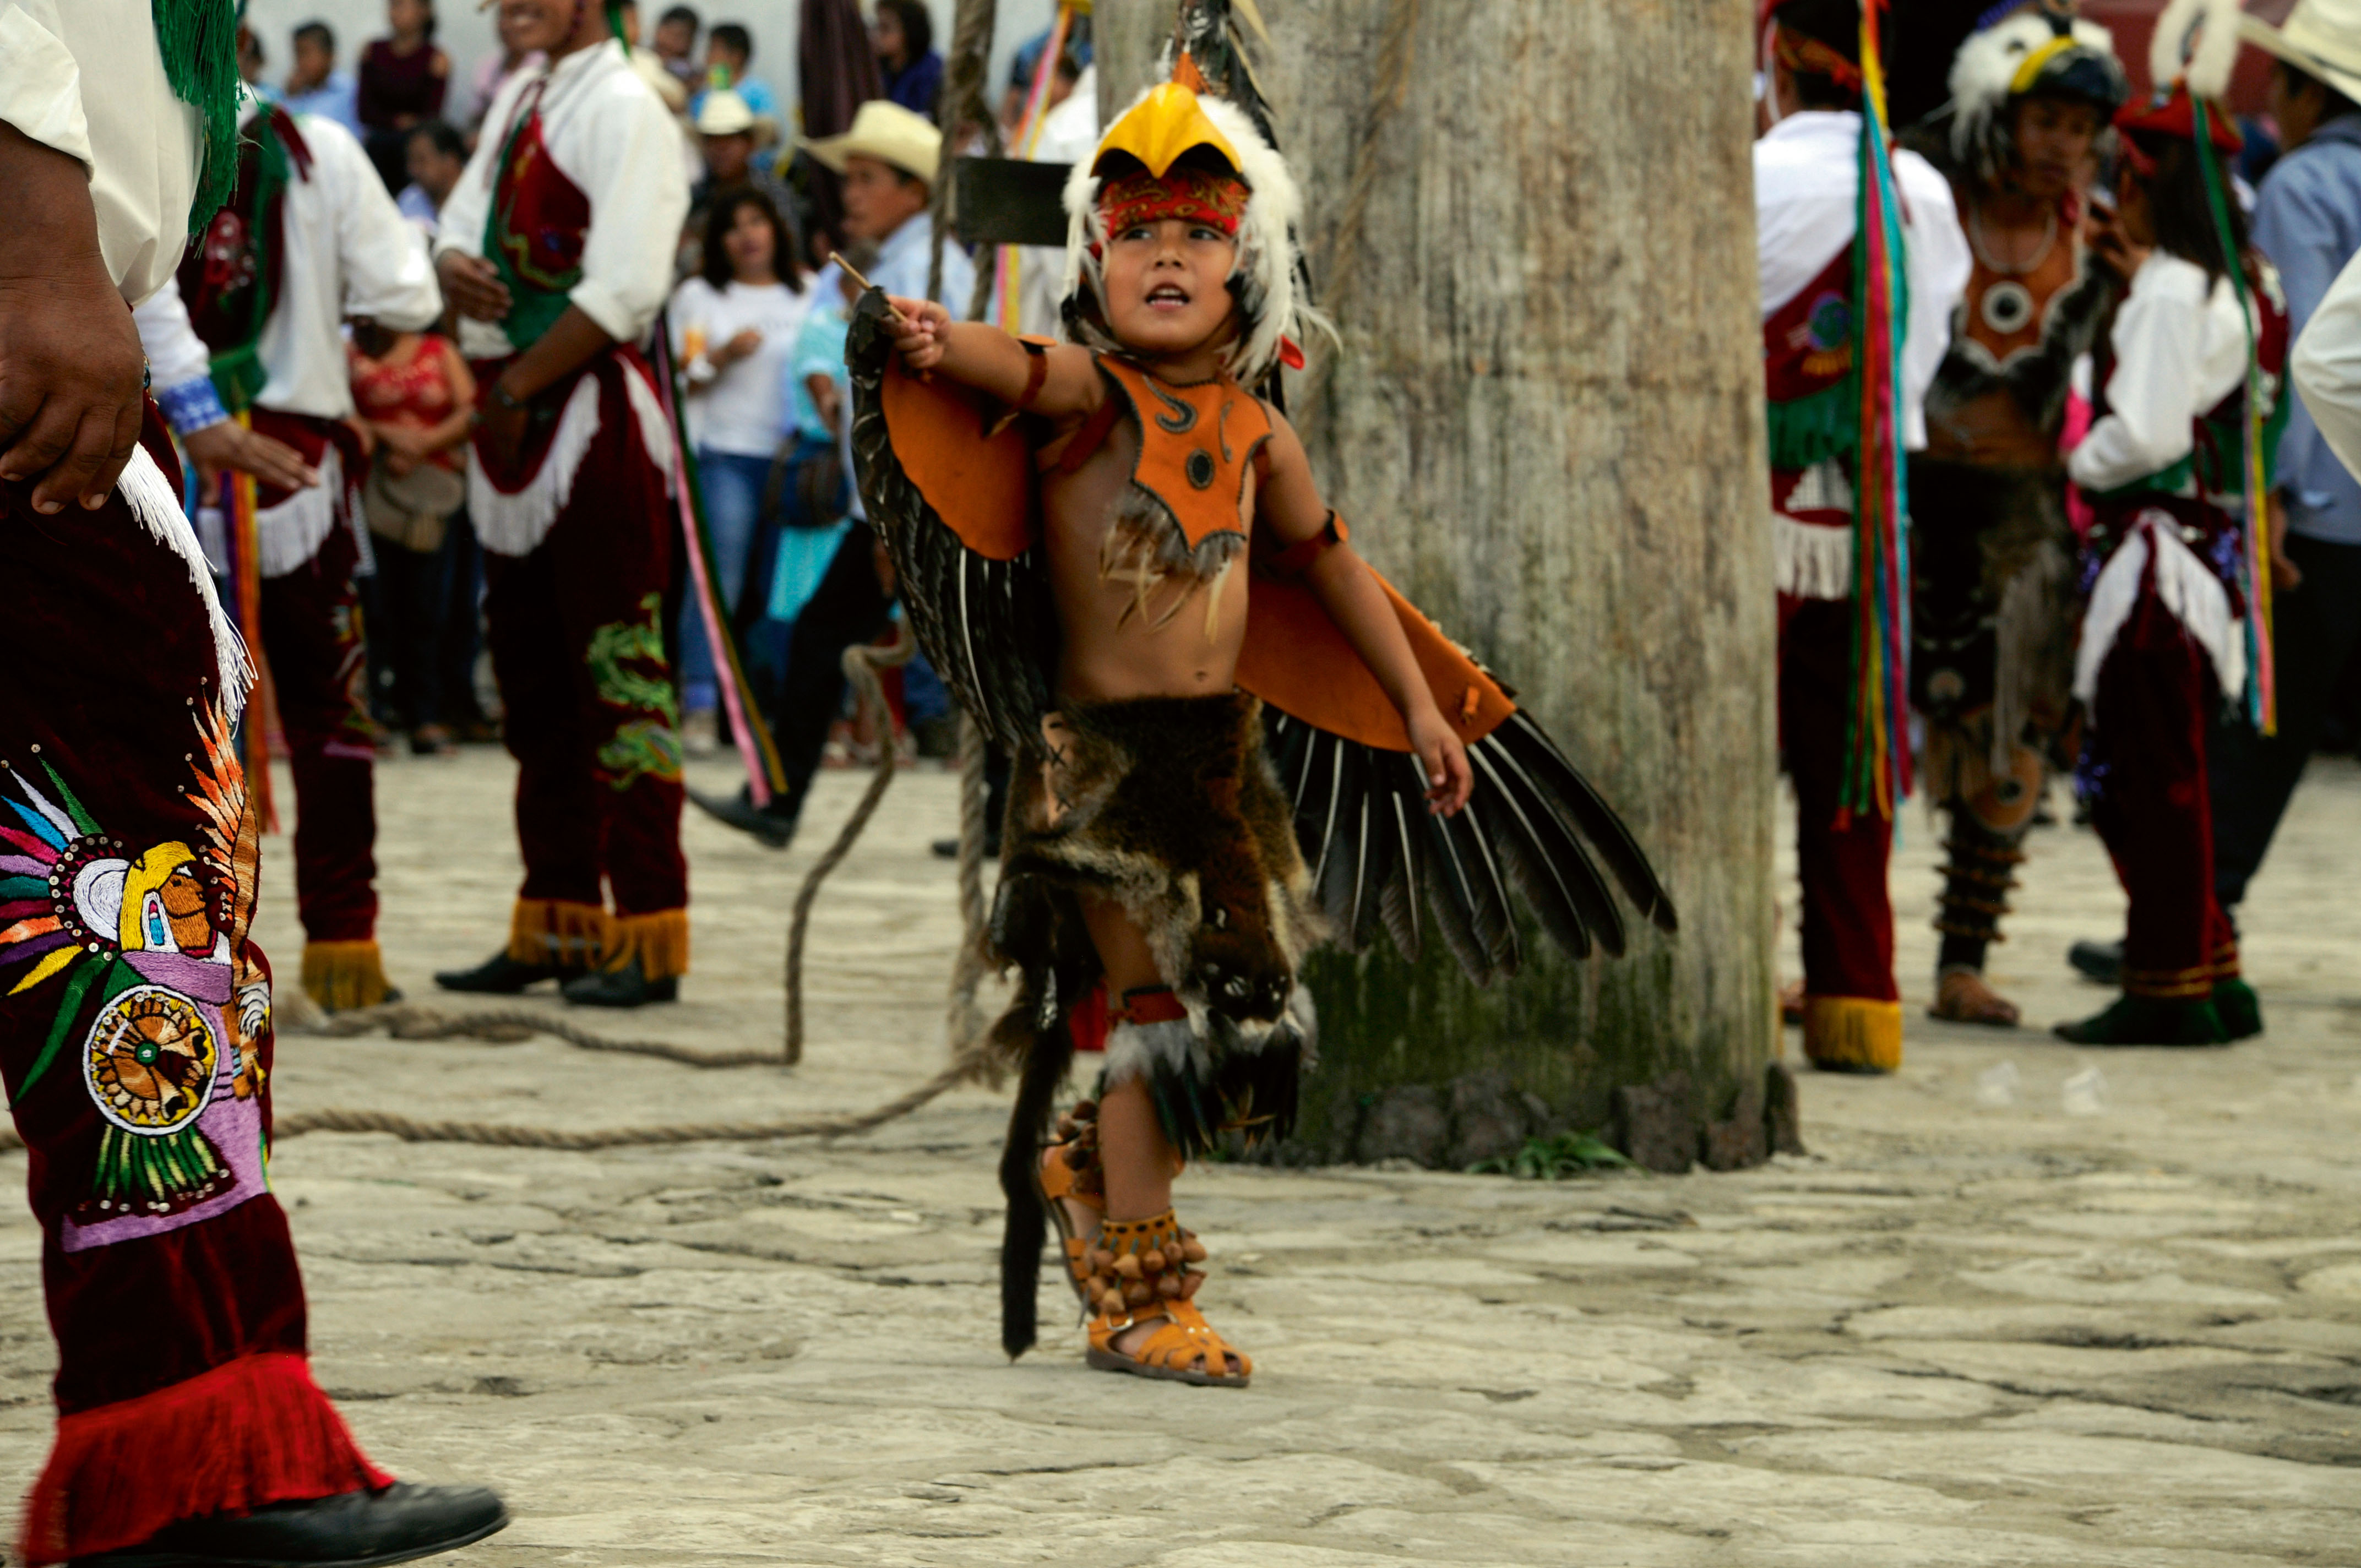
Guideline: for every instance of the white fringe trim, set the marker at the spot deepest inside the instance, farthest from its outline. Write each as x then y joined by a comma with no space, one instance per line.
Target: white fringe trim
2185,586
157,505
1810,560
515,523
288,535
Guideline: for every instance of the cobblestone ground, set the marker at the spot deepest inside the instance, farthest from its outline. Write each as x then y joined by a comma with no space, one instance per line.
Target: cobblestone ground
2114,1325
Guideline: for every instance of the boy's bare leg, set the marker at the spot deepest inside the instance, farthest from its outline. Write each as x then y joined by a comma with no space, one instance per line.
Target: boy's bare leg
1137,1160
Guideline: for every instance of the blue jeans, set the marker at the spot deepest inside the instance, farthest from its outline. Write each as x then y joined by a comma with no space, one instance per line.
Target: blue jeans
732,485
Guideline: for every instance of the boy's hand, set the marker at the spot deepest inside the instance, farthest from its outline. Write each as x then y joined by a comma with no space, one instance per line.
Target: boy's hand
918,331
227,443
1449,777
473,286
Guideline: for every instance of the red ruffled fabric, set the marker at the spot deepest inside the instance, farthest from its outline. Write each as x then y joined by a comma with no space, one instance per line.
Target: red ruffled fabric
250,1433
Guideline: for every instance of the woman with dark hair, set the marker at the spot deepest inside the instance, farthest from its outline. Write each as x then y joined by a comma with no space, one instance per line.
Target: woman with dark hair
733,325
912,71
2168,468
403,80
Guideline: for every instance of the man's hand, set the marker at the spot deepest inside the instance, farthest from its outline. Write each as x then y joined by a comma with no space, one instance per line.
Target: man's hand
1448,778
231,445
70,366
2285,573
919,330
473,286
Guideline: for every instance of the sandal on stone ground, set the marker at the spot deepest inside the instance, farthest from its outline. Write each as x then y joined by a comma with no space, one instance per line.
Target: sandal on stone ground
1141,1276
1070,1171
1963,997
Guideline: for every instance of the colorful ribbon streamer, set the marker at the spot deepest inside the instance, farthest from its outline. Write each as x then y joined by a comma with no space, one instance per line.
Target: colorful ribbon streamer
2262,691
1877,749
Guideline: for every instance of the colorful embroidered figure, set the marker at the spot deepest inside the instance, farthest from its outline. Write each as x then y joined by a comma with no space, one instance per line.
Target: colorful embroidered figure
167,1060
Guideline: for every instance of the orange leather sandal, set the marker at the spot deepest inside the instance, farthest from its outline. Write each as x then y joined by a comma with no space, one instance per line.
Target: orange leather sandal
1140,1273
1070,1171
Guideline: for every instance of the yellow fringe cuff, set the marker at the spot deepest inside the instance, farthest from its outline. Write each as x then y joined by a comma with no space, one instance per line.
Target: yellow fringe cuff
343,975
553,931
1854,1032
660,941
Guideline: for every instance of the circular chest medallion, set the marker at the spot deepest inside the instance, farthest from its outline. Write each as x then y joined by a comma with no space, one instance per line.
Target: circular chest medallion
1830,325
1200,467
150,1061
2007,308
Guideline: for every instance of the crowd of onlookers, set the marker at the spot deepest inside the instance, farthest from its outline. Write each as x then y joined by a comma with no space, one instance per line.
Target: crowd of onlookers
756,334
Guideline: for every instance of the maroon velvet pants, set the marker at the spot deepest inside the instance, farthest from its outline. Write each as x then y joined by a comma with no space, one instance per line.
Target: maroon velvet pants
319,672
135,1045
577,636
2156,700
1847,912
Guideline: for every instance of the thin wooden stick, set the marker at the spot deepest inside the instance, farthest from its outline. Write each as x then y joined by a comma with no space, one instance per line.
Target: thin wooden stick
855,273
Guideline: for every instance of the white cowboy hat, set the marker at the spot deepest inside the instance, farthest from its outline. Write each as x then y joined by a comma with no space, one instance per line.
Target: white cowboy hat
723,113
2320,38
888,133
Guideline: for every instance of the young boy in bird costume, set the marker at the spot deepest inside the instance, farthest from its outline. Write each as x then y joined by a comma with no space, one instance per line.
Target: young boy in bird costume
1234,739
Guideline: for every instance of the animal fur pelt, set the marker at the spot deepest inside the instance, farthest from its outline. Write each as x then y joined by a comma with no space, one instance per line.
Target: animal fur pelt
1169,807
2038,375
2195,41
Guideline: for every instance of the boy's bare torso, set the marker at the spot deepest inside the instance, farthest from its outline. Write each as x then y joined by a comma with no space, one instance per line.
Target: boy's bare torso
1187,642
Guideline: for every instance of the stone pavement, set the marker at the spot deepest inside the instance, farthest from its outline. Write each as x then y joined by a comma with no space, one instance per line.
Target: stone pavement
1978,1325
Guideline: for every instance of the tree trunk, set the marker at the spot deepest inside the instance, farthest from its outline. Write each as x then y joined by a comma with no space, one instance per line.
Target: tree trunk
1532,224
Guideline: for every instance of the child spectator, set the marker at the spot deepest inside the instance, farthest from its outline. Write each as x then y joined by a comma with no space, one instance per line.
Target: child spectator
912,71
314,85
417,399
729,49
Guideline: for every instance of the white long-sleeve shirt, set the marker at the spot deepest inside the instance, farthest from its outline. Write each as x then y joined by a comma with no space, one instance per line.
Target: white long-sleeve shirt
609,133
179,365
2327,366
2180,348
86,77
348,252
1806,185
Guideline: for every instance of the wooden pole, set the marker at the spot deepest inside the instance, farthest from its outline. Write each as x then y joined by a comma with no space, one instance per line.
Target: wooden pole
1533,223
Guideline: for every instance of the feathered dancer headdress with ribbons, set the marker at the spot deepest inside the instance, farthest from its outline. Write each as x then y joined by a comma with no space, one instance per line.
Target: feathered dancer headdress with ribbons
2190,57
1877,752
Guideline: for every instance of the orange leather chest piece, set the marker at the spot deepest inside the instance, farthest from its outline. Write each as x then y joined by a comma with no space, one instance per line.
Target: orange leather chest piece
1197,445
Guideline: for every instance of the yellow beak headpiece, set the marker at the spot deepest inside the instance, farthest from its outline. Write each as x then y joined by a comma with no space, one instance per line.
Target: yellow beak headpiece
1162,126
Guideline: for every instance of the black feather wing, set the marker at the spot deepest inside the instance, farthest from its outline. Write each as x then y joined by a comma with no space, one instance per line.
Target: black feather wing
986,624
1534,831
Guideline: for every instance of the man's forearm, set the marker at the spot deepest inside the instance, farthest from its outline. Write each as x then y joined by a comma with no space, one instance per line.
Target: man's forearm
565,347
51,223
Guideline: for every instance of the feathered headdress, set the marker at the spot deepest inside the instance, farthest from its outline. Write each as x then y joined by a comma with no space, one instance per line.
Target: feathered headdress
2037,51
1164,125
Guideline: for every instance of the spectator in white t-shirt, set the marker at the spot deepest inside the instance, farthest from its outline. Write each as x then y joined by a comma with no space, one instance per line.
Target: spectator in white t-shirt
733,325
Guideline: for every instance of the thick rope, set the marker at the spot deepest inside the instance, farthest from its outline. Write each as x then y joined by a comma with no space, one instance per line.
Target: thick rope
961,103
861,665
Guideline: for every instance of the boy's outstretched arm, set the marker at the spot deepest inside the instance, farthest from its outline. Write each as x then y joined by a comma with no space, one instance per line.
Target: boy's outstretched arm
1289,504
976,354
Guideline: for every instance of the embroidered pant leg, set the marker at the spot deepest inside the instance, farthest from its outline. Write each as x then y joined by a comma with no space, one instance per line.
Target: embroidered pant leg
312,633
181,1385
611,557
2316,632
1848,917
2154,703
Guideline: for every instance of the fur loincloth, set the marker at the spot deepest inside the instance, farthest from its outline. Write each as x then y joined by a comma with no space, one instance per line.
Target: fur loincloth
1167,807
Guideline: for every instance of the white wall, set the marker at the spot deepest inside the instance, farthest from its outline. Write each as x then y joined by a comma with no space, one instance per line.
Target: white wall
466,33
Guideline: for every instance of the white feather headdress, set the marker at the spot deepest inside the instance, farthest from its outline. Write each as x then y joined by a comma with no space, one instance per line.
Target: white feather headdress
1983,80
2206,66
1268,252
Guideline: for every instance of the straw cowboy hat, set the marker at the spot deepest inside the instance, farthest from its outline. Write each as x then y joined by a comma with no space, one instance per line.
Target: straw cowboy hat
888,133
2320,38
724,114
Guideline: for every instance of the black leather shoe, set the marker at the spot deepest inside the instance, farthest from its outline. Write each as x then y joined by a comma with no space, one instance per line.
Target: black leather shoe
2102,961
501,975
627,987
774,826
352,1530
